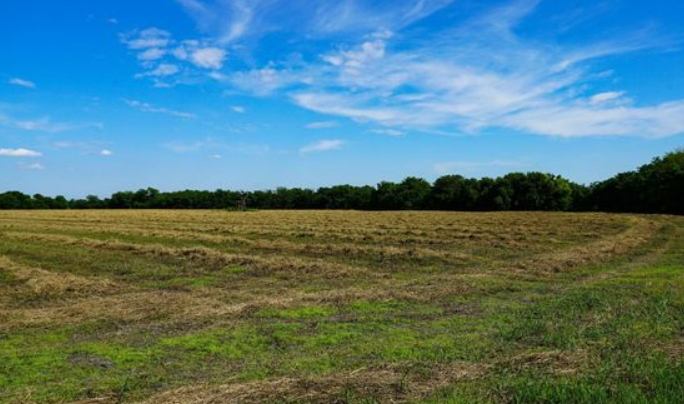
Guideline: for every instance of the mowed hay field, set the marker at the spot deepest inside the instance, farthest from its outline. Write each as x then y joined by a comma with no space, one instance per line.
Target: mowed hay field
340,307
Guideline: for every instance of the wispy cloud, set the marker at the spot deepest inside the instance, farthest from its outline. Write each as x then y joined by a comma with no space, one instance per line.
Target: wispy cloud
162,70
232,21
267,80
151,54
150,38
479,75
239,109
185,147
322,125
22,83
45,124
19,153
34,166
321,146
145,107
388,132
609,96
217,146
87,147
466,77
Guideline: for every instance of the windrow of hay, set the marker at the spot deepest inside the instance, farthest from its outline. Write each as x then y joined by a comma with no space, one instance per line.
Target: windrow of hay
315,246
639,233
386,384
39,283
148,307
554,362
331,227
258,265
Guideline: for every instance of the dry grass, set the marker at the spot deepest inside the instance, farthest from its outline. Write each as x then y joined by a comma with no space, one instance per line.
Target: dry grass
391,384
38,283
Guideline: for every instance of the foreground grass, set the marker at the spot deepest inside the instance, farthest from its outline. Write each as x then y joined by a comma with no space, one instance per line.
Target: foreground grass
348,307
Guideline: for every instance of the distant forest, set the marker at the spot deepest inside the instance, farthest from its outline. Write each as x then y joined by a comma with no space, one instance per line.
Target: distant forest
657,187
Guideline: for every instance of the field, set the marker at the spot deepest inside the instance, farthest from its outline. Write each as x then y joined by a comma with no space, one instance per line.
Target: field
340,307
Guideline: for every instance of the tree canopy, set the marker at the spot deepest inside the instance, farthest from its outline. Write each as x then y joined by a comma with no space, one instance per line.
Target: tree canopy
657,187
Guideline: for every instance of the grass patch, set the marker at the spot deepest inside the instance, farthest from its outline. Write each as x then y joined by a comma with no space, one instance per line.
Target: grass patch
299,313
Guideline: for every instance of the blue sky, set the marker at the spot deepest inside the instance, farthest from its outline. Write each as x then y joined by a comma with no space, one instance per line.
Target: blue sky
97,97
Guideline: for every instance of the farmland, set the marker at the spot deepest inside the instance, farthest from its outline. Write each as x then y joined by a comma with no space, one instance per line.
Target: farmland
340,307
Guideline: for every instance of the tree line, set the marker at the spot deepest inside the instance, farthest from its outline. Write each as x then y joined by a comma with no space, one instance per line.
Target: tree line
657,187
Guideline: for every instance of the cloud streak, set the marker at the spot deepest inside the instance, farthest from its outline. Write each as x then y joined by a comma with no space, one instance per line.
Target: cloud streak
238,20
21,152
145,107
45,124
34,166
322,125
22,83
322,146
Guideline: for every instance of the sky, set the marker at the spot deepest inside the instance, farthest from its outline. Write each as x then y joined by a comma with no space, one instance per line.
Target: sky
103,96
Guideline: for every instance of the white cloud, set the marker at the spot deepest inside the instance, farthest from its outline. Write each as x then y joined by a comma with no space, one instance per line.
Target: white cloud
322,145
19,153
161,57
163,70
42,124
354,59
145,107
265,81
65,144
152,54
322,125
208,58
239,109
388,132
105,152
603,98
147,38
22,83
571,121
215,156
338,104
113,21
